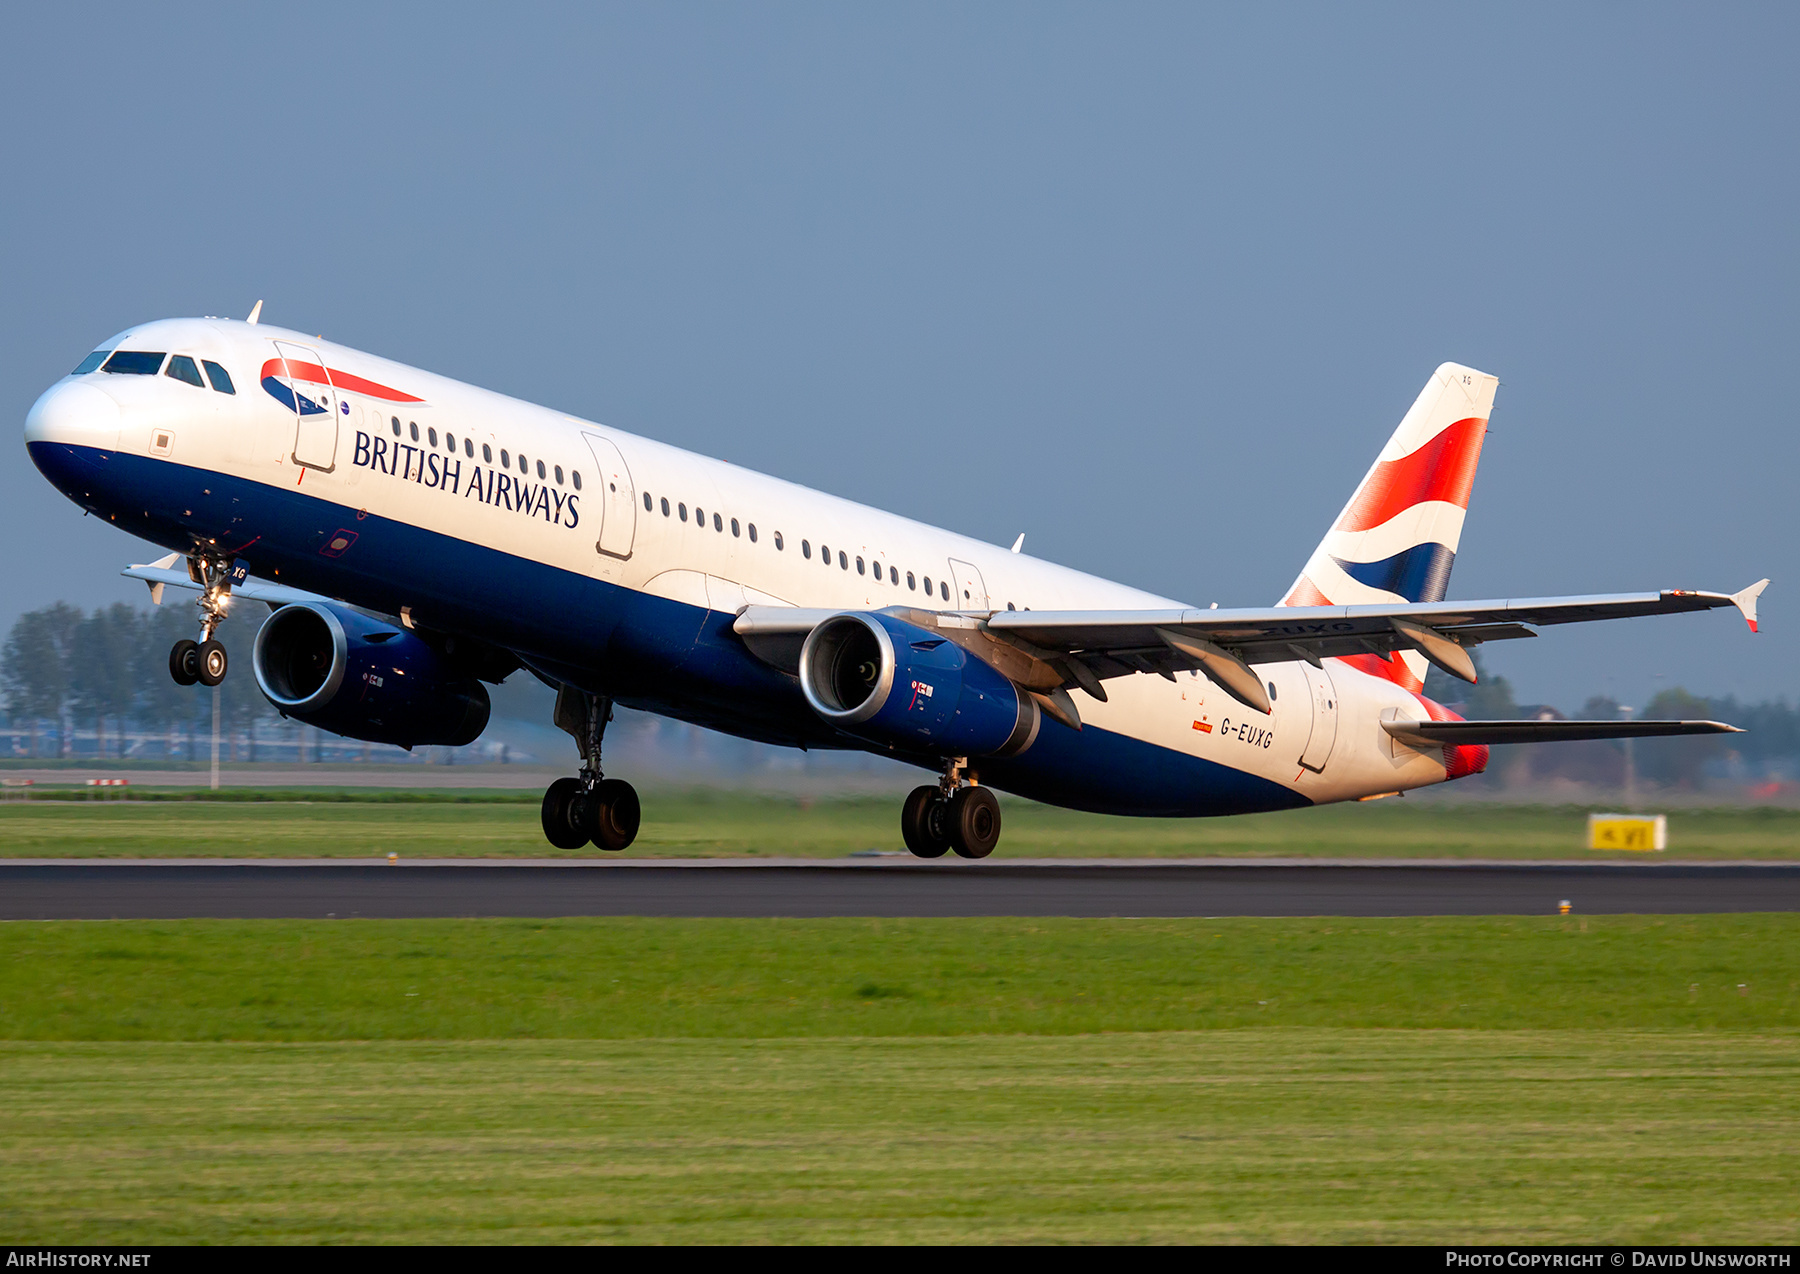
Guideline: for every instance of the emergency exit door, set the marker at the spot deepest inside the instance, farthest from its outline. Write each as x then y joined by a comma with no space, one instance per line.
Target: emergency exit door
970,592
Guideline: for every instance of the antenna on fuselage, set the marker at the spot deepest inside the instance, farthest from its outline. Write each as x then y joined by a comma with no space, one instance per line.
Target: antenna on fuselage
255,314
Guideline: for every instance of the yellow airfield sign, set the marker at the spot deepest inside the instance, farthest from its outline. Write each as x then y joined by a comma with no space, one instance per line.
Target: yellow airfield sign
1647,832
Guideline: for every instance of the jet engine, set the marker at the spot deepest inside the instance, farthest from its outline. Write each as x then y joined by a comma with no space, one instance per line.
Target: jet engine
896,684
353,675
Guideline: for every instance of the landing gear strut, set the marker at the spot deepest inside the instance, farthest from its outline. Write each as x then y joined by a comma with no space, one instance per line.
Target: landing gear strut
589,808
951,816
204,660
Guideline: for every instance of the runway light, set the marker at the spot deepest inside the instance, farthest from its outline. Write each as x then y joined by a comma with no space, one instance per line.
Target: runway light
395,858
1563,906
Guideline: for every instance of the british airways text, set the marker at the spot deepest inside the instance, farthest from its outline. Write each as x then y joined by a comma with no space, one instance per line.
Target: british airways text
445,473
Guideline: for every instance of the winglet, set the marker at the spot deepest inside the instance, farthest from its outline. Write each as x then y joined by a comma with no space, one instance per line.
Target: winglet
1745,601
1019,543
255,314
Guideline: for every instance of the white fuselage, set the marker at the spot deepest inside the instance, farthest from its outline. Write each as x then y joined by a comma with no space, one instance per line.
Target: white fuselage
762,540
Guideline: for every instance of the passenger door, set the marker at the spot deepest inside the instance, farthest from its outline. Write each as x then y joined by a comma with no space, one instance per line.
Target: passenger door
1324,719
316,407
615,499
968,592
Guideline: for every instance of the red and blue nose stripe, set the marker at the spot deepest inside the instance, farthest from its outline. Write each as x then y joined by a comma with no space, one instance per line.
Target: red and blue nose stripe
277,372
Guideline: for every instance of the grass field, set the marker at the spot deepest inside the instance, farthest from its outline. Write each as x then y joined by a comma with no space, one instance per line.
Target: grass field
714,823
1613,1079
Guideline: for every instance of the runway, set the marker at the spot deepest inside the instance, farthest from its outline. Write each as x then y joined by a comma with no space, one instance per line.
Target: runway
99,890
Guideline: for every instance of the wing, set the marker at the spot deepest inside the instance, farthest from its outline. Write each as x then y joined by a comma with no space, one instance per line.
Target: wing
1224,643
164,573
1050,651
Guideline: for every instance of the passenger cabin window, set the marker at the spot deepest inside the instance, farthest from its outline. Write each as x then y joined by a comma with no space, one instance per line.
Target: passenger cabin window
433,434
911,583
894,576
665,506
682,509
559,475
134,362
777,539
928,583
468,448
843,561
91,362
396,423
805,548
414,426
487,454
647,505
859,566
540,470
449,442
752,530
734,528
944,586
718,523
505,460
524,464
182,368
575,475
221,379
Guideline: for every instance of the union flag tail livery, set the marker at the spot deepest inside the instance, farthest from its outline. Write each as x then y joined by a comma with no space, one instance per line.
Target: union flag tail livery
1396,539
418,539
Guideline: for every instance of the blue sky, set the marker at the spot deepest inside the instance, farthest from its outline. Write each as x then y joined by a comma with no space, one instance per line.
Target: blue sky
1149,283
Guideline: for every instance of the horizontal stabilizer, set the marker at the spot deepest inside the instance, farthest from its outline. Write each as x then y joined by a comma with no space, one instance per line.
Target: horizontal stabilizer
1433,733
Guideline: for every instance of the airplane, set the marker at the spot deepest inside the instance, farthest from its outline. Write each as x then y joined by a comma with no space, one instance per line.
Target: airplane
417,538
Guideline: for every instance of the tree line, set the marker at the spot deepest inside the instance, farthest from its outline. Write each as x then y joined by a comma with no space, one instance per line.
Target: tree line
63,670
1772,735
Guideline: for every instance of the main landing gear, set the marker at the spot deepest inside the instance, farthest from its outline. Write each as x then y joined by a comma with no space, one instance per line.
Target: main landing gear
204,661
936,820
589,808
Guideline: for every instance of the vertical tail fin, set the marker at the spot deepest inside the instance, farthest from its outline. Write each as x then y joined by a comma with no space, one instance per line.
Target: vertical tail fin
1396,539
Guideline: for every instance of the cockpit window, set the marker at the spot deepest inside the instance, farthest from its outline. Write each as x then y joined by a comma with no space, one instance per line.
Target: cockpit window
182,368
221,379
91,362
135,362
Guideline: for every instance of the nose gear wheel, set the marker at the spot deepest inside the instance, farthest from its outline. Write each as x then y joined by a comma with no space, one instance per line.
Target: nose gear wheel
205,661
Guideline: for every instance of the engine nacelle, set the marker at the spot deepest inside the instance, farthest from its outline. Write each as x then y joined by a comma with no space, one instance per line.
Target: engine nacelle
342,671
897,684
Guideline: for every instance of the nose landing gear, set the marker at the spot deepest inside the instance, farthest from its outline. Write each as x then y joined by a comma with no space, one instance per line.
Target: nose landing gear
949,816
589,808
205,661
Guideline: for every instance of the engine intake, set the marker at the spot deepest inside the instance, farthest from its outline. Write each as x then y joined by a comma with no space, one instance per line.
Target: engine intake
345,672
894,683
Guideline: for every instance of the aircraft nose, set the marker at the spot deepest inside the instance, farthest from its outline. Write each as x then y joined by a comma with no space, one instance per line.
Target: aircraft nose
76,414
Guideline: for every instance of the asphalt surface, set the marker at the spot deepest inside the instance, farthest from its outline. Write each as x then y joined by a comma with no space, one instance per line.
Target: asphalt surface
101,890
